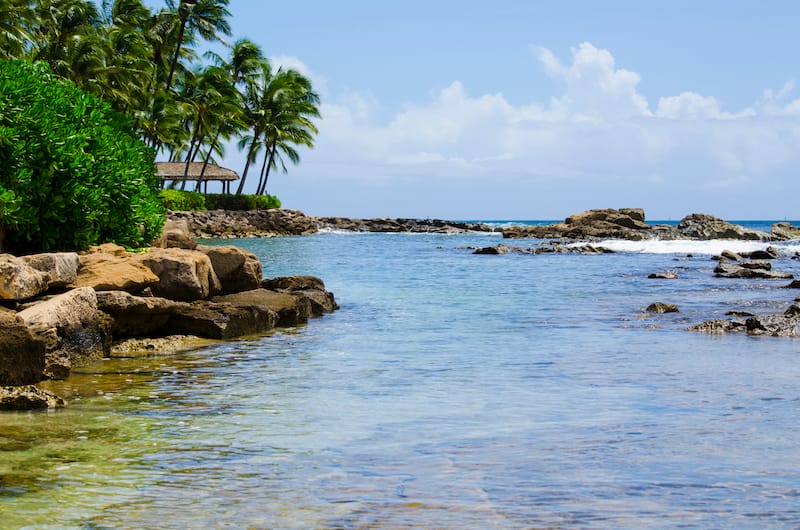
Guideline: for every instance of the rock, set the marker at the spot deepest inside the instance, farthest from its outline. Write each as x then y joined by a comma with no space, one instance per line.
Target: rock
632,218
75,333
704,227
108,248
22,357
729,255
290,308
661,307
157,345
793,311
237,269
293,283
757,265
768,253
774,325
220,321
434,226
794,284
715,326
61,268
252,223
182,274
785,230
110,271
735,313
28,398
136,316
20,281
496,250
175,235
311,287
667,275
726,269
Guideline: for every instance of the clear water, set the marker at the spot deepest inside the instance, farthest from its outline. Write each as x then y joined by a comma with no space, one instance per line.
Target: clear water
451,390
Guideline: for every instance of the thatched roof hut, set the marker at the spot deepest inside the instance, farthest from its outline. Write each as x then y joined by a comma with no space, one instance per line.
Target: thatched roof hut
176,171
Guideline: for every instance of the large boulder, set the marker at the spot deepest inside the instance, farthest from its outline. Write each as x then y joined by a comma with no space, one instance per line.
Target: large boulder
20,281
75,333
182,274
22,356
751,269
61,268
784,230
705,227
237,269
290,308
136,316
632,218
113,271
776,325
220,320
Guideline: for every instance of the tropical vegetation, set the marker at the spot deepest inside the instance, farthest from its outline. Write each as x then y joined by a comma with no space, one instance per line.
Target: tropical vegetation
148,64
73,172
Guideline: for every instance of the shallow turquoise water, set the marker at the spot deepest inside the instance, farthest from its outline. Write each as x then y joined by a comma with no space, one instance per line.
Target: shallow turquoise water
451,390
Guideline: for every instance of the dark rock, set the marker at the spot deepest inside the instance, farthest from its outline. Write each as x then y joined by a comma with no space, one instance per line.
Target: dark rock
704,227
293,283
793,311
136,316
221,321
28,398
290,308
667,275
496,250
757,265
252,223
741,314
661,307
768,253
726,269
774,325
713,326
794,284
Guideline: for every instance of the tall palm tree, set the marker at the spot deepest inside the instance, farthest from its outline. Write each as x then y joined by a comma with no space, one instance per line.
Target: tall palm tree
60,27
206,18
292,104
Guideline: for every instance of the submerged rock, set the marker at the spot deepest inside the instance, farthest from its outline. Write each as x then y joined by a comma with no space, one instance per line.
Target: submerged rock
661,307
752,269
28,397
667,275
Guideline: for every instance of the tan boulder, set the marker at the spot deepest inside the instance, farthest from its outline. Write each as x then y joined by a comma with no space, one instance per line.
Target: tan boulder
18,280
74,331
175,235
182,274
113,271
237,269
22,357
61,267
28,397
136,316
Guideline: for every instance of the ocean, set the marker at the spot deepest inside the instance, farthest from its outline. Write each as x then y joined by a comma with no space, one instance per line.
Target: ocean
451,390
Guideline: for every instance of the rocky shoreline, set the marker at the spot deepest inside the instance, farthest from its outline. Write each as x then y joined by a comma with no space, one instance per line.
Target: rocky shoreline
591,225
65,310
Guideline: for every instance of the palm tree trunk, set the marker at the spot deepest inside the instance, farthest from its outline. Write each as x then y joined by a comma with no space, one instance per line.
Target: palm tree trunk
247,163
262,190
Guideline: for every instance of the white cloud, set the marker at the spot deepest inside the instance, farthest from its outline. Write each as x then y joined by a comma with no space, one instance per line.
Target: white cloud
595,140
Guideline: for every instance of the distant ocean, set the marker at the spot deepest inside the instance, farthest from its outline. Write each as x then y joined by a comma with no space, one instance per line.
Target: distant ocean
451,390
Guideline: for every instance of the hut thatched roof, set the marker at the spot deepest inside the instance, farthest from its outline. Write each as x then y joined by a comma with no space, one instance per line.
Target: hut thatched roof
176,170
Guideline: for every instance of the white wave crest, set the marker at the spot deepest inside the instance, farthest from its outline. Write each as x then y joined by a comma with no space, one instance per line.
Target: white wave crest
685,246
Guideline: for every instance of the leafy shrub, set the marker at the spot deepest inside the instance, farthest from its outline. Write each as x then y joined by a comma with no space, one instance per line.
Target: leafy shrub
182,201
72,171
216,201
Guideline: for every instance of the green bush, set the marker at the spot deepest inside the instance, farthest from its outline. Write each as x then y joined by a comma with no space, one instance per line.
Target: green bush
216,201
182,201
72,171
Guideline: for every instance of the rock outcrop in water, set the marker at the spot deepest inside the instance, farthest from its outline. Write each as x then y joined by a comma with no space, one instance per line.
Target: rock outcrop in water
60,311
629,223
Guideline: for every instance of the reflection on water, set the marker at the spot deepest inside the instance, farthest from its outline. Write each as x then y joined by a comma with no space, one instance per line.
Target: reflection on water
450,391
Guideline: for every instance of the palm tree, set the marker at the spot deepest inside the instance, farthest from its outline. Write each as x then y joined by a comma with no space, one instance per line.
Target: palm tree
206,18
290,104
60,27
16,18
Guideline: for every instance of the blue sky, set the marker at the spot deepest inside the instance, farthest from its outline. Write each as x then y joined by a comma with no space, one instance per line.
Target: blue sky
534,110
